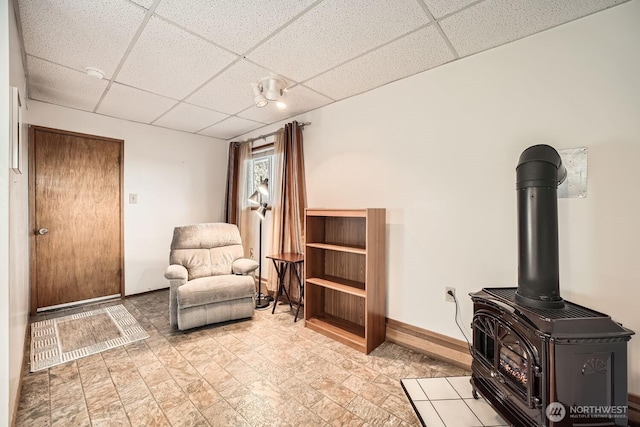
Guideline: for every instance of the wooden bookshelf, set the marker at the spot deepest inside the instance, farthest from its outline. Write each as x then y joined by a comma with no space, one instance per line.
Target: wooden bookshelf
345,284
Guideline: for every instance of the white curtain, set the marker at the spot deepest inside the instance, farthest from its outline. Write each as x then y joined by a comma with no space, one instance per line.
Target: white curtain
276,208
290,197
244,207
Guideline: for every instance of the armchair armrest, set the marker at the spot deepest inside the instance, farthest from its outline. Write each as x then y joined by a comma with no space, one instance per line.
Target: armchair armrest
243,266
178,276
176,272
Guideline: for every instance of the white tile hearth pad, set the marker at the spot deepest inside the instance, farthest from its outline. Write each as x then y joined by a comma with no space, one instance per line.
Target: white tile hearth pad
448,402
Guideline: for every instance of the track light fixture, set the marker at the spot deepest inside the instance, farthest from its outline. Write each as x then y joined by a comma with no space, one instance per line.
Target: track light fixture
269,89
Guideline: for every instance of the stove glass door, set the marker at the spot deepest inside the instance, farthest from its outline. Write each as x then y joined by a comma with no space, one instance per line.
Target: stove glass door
514,361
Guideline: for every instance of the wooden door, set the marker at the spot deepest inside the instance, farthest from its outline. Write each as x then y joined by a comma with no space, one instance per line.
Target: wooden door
76,217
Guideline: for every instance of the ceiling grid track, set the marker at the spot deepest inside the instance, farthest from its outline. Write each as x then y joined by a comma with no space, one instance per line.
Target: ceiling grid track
133,42
437,26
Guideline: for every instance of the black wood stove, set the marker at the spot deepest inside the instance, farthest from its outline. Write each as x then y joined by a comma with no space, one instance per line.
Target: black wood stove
537,359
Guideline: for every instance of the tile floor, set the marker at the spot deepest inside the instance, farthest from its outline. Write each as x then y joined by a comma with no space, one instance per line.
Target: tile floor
267,371
448,402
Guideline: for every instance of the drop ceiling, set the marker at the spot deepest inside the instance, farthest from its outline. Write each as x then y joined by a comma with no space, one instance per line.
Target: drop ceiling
188,64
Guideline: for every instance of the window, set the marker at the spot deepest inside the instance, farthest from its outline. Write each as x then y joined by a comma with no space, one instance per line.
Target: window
261,168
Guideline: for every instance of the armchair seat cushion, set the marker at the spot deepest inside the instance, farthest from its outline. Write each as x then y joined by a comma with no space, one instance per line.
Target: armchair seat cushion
213,289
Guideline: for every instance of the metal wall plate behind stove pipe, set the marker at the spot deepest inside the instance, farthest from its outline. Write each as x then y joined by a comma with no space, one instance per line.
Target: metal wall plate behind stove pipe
539,172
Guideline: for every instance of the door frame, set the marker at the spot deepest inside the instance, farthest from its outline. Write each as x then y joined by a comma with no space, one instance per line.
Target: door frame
32,205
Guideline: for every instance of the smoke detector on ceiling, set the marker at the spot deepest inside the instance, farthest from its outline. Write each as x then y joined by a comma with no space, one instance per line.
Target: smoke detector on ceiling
94,72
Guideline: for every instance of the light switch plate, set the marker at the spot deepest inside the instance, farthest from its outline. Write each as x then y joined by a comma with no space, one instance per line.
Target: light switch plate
133,198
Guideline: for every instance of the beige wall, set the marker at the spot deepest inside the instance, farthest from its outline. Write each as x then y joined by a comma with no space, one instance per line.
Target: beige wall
440,148
439,151
18,260
5,392
179,178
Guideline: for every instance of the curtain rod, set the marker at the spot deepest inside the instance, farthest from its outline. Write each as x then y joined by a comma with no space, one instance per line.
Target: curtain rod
301,125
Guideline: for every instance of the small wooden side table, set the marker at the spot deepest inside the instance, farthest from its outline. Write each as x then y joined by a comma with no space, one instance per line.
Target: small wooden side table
282,262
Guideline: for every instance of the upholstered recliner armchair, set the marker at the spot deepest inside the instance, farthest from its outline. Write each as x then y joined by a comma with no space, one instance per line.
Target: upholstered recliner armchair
208,276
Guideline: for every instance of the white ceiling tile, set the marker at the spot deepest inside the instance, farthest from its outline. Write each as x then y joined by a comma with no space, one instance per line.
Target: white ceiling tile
59,85
79,33
189,118
412,54
335,31
133,104
230,92
231,127
144,3
299,100
440,8
495,22
337,48
235,24
170,61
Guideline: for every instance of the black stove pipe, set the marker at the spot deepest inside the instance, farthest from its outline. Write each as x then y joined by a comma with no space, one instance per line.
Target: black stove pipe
539,173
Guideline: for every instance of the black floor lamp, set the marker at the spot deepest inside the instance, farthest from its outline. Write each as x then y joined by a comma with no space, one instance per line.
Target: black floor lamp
256,198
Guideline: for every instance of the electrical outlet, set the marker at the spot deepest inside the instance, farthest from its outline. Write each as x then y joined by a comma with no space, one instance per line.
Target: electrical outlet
448,297
251,253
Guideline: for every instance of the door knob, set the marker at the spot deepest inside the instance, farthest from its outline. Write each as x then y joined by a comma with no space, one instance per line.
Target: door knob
43,231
